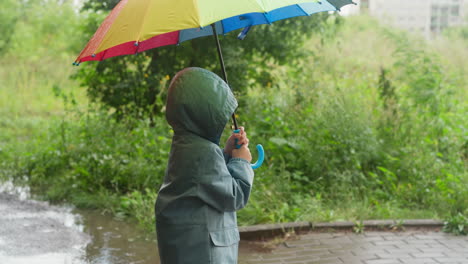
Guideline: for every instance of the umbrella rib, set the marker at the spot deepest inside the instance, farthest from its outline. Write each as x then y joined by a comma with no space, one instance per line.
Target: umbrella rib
143,22
302,9
267,17
222,27
103,55
262,6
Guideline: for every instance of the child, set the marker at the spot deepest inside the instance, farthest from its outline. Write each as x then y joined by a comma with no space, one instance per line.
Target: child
203,187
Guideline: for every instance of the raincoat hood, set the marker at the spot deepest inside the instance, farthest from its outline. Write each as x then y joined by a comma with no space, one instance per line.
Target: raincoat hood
199,102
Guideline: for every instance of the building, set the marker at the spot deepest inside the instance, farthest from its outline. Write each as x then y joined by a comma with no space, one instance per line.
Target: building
446,13
412,15
428,17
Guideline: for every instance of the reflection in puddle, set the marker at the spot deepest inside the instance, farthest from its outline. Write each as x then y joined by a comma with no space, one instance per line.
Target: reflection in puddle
117,242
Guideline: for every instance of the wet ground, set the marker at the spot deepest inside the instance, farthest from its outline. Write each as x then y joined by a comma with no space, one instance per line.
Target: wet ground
408,247
117,242
33,232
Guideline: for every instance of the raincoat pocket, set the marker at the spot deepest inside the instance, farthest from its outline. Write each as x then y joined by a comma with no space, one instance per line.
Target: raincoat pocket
224,246
183,244
225,238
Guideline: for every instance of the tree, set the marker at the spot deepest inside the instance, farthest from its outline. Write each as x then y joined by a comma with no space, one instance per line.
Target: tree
134,85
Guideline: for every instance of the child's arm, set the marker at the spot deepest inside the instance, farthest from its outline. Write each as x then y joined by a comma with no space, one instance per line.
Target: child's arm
225,187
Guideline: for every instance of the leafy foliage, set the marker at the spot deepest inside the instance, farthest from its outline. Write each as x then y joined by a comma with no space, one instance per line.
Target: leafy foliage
457,224
90,155
41,28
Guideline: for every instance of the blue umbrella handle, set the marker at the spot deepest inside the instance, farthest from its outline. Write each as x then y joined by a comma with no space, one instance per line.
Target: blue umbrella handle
235,132
261,157
261,154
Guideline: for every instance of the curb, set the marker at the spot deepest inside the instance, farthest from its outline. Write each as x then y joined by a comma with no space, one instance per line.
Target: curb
267,231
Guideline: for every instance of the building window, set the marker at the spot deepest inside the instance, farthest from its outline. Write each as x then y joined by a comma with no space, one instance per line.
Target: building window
444,10
455,11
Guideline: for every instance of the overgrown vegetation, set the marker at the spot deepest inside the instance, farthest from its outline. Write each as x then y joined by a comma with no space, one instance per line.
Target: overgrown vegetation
368,123
457,224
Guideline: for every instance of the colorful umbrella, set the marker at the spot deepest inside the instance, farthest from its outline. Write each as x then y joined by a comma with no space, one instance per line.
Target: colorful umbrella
135,26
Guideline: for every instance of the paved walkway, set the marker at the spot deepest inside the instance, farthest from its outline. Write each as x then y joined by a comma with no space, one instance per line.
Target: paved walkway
410,247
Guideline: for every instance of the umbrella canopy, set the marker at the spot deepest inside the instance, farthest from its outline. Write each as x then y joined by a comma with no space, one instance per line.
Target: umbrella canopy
137,25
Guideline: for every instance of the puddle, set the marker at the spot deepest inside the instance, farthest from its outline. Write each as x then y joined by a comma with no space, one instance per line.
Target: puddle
117,242
34,232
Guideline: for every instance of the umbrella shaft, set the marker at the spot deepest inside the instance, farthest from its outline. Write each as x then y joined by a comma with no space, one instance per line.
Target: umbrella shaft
223,68
220,53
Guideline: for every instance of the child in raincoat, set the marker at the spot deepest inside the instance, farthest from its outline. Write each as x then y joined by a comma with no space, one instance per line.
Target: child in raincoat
204,186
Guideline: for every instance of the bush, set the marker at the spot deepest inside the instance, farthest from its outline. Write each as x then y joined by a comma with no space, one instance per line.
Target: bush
457,224
93,154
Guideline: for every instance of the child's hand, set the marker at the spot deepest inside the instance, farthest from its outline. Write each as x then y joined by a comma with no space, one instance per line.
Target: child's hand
243,153
231,142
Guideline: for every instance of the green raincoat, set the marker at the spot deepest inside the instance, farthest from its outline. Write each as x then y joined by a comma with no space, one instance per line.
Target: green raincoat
203,188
